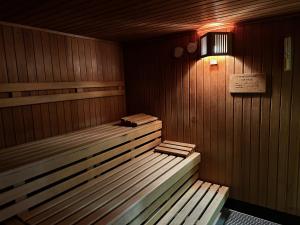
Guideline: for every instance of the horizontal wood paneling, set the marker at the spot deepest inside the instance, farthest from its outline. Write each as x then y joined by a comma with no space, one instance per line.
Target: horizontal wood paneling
37,56
250,142
128,20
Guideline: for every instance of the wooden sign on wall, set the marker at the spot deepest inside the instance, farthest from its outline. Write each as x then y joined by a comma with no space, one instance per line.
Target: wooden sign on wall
247,83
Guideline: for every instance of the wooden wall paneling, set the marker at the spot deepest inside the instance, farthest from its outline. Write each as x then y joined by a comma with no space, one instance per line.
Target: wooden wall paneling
120,73
238,113
95,77
26,111
63,62
274,119
118,76
37,56
57,76
214,139
179,85
255,117
211,96
250,142
163,83
246,117
90,69
41,77
221,120
193,92
18,116
109,76
49,77
294,138
113,72
285,113
85,104
74,74
3,79
32,77
267,54
206,151
173,73
199,104
186,95
13,117
229,122
61,110
77,72
106,103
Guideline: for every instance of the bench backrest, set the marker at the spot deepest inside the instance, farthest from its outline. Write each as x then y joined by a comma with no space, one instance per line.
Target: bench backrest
36,172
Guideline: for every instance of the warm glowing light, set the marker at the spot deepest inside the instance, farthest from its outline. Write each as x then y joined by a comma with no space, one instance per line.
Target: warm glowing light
215,27
209,25
216,43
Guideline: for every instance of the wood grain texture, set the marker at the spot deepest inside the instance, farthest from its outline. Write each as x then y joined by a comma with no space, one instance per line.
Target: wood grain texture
30,56
128,20
249,142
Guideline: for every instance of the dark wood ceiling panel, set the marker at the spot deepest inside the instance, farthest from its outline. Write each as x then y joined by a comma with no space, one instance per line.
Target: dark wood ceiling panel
134,19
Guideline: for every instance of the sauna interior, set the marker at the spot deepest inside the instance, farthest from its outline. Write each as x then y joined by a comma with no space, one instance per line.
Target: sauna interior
150,112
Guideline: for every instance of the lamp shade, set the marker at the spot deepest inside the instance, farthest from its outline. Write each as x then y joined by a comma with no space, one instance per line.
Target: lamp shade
216,43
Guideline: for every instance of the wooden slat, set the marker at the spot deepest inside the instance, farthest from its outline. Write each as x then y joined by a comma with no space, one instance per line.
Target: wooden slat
202,205
144,121
172,151
31,100
125,118
176,147
102,194
138,119
98,208
180,144
19,87
191,204
160,202
214,208
130,209
171,201
106,178
169,216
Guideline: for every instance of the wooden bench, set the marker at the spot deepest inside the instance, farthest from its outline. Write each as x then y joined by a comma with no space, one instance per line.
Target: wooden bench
104,175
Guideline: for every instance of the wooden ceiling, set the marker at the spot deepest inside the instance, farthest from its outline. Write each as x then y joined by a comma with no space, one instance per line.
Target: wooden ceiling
136,19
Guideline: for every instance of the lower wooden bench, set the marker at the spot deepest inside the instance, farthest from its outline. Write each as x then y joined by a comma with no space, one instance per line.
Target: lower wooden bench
117,196
118,179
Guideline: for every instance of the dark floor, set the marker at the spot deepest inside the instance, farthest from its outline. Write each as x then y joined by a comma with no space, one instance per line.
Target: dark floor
233,217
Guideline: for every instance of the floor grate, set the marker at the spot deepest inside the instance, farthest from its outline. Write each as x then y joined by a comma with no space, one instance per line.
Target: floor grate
233,217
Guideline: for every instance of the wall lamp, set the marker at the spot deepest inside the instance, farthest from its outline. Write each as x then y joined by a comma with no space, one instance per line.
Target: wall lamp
214,44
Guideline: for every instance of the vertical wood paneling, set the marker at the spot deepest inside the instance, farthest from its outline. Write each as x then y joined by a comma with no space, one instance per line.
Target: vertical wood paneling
37,56
250,142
